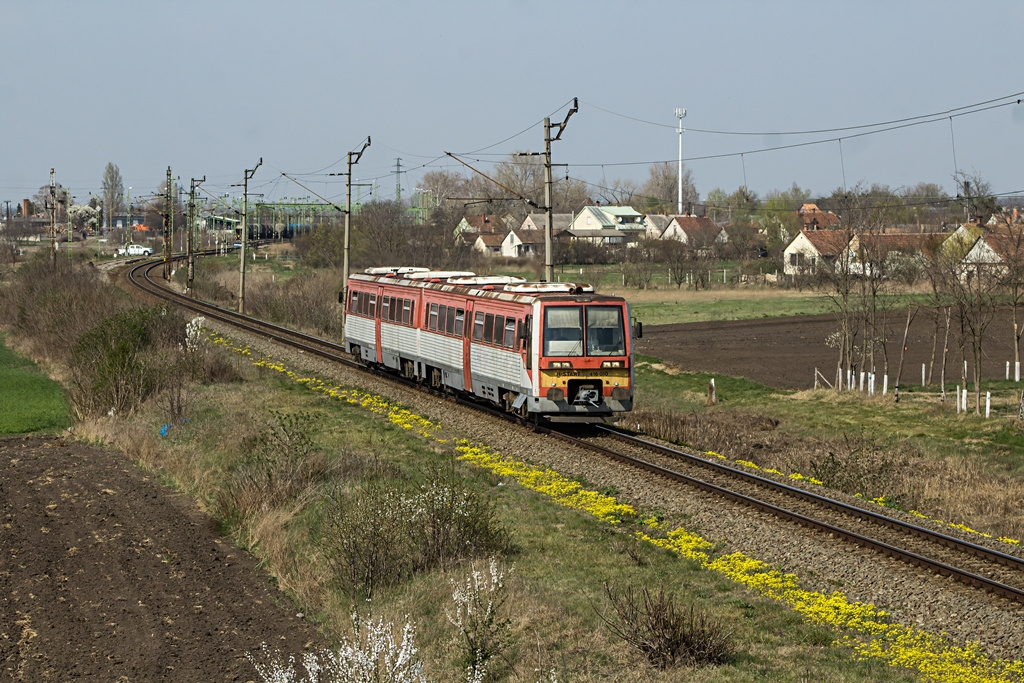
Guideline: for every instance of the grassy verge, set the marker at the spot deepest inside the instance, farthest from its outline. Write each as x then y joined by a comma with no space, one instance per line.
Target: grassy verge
560,560
29,401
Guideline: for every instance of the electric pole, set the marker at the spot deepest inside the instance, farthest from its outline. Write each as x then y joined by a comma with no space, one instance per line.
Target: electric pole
398,179
168,216
53,217
549,265
353,159
680,114
249,173
190,246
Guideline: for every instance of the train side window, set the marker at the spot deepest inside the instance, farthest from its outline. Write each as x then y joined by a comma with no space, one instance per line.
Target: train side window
449,322
354,303
499,325
433,316
510,333
488,328
478,327
362,303
385,308
407,311
460,321
442,313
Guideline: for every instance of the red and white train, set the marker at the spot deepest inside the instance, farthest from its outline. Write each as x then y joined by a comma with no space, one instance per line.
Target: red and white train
555,351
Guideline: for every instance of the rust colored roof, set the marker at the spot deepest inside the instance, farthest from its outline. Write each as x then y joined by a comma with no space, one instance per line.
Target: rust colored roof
698,228
829,243
877,243
814,218
491,239
486,223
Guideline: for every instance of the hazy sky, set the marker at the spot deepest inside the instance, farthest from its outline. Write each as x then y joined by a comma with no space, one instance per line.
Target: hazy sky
208,88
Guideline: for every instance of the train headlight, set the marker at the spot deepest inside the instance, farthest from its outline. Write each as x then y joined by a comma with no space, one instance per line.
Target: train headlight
611,364
556,394
560,364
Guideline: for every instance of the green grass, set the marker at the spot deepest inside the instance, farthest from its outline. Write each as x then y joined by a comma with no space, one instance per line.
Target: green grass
29,401
562,560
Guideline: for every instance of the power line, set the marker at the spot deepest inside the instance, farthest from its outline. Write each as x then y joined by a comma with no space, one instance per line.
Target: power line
821,130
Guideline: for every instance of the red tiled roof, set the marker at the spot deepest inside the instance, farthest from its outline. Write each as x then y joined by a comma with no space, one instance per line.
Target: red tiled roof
829,243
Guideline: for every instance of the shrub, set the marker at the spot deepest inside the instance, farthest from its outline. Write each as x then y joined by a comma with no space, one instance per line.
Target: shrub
479,615
857,466
366,539
111,370
666,635
370,654
280,463
451,522
380,534
307,301
51,305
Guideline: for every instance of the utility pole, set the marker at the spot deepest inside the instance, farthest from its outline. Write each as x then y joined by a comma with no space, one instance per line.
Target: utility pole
549,265
168,216
398,179
190,246
353,159
53,217
249,173
680,114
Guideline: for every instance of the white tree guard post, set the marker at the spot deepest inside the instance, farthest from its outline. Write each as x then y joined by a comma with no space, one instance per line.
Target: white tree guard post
871,384
1007,369
964,399
988,404
958,399
885,384
862,378
1016,372
922,374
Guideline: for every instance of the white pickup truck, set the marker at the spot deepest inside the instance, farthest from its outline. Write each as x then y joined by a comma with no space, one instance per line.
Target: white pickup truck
134,250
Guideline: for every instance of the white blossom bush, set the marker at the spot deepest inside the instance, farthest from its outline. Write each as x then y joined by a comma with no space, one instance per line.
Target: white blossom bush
371,655
479,603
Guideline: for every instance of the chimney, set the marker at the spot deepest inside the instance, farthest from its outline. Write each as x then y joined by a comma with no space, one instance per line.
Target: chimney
24,208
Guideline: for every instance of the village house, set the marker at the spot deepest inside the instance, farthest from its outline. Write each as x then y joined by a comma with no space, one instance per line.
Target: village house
812,250
488,244
520,243
482,224
699,232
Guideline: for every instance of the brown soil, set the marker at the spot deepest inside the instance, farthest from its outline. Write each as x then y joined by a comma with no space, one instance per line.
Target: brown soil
105,572
783,352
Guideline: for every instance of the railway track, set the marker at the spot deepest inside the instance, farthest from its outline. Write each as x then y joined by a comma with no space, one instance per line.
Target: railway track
975,565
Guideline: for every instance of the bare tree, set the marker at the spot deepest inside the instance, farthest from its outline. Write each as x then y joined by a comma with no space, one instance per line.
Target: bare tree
640,263
660,192
619,193
113,192
970,288
443,186
382,231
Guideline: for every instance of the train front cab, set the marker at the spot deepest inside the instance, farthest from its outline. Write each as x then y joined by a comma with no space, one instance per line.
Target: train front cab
583,350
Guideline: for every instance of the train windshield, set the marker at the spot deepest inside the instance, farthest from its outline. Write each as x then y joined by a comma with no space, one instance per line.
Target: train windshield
564,331
604,331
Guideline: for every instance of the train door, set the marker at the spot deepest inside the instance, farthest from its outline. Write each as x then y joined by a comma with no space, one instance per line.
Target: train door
375,305
467,340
